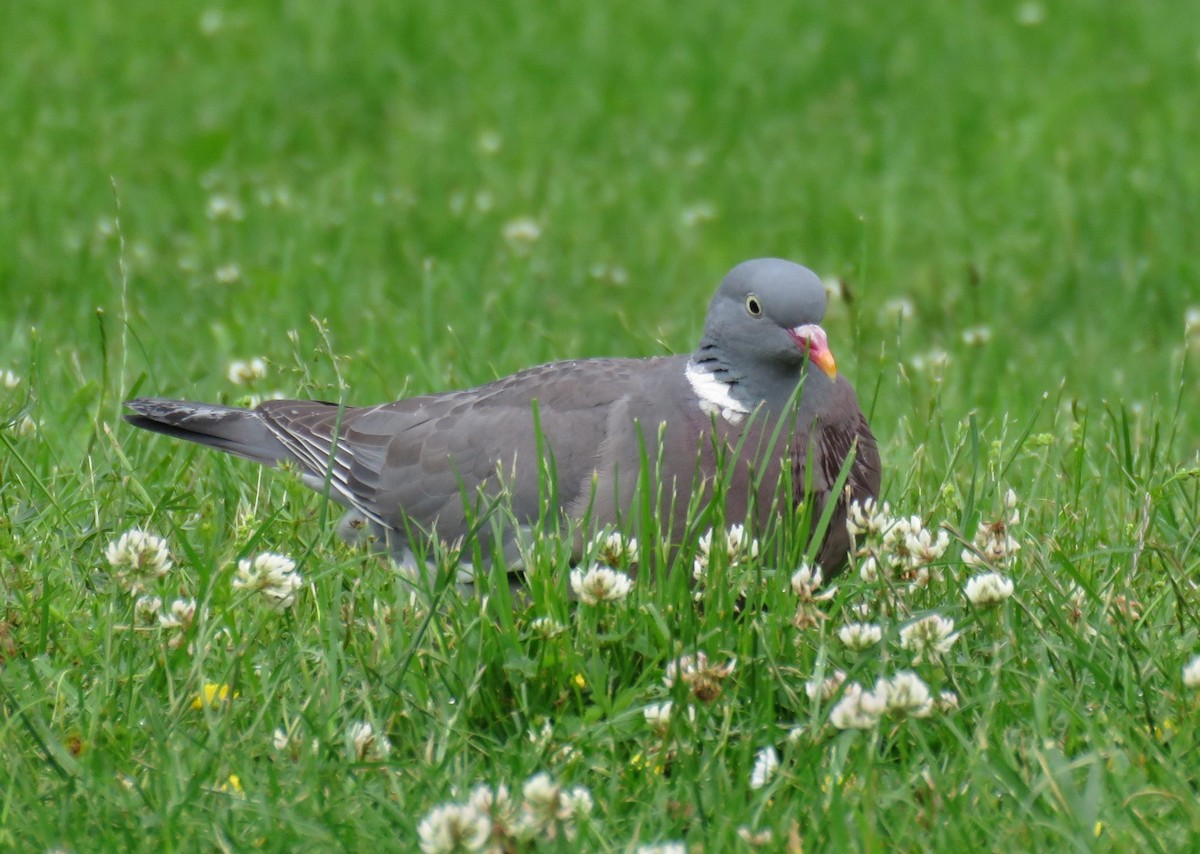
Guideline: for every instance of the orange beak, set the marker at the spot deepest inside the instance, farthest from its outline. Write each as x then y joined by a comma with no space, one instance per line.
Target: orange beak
811,339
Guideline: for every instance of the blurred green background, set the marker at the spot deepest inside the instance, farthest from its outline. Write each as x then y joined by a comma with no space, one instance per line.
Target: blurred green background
1003,198
1027,166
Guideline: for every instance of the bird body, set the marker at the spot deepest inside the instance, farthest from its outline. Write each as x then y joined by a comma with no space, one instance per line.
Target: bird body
427,466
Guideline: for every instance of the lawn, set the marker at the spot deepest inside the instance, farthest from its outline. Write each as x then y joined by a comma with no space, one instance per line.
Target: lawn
386,199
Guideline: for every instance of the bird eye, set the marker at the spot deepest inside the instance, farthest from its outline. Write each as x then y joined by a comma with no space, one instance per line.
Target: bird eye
753,306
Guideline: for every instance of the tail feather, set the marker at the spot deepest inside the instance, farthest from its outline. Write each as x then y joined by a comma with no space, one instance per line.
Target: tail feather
240,432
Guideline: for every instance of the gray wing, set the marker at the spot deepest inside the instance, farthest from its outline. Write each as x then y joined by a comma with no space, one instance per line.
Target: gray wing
418,459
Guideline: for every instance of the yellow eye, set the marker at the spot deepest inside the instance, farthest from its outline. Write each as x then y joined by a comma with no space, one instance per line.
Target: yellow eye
753,306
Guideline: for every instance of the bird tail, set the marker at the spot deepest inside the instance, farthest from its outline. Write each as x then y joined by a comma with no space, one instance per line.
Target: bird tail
241,432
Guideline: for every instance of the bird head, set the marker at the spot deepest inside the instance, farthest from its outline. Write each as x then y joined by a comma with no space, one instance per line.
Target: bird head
766,314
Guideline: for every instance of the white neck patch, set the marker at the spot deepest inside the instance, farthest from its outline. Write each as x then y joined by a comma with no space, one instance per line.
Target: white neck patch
714,394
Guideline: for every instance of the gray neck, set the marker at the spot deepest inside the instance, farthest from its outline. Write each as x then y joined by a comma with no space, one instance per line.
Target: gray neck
771,383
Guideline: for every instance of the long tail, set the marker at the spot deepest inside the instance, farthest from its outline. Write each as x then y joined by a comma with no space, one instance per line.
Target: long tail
240,432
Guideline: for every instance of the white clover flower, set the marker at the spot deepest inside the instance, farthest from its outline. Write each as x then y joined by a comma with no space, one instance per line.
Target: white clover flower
1031,13
600,584
549,810
222,207
1010,504
870,518
281,739
933,361
8,379
899,309
246,371
988,589
924,548
977,336
497,804
858,709
699,674
860,636
1001,548
547,627
489,141
613,549
947,701
26,426
180,615
365,744
671,847
577,802
694,215
928,637
868,570
228,274
738,544
994,545
146,610
688,667
806,581
1191,673
905,695
541,738
279,196
835,288
796,734
540,793
897,539
522,232
922,576
614,274
138,558
658,716
739,547
211,21
272,575
1191,322
827,688
766,764
755,838
992,551
453,828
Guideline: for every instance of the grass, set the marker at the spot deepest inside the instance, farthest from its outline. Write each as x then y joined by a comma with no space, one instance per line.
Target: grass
329,187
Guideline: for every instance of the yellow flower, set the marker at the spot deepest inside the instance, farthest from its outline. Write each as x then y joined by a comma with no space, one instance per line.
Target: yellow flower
652,763
232,786
1164,730
212,694
1098,829
579,681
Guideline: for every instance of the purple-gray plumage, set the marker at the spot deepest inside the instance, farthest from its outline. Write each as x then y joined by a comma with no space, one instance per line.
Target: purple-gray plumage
428,466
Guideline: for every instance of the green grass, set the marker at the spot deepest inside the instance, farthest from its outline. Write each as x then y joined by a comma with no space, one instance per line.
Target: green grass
1033,174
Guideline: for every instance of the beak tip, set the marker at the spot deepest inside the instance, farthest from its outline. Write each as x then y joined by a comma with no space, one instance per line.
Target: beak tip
828,366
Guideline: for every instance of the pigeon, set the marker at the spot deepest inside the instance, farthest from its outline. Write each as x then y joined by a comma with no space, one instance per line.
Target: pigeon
758,407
